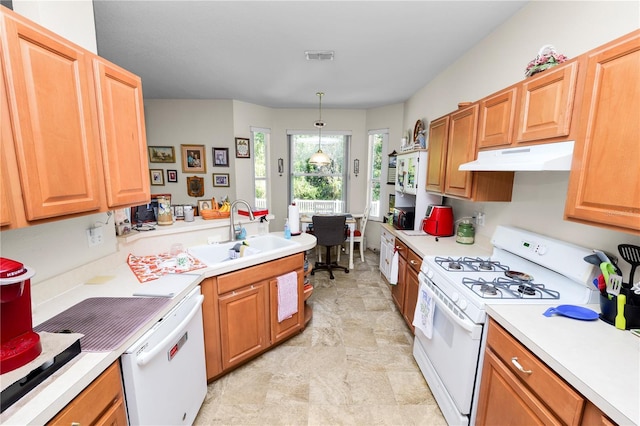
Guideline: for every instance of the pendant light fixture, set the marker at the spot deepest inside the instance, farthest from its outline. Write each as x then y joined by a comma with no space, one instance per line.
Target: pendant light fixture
319,158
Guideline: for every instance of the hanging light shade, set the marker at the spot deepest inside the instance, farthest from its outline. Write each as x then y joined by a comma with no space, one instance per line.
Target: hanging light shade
319,158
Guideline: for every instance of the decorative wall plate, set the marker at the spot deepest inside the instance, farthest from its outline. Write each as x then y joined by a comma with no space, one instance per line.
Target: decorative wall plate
195,186
417,129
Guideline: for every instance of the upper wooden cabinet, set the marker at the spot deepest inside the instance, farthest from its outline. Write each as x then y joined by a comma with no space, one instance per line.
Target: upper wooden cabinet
452,141
603,183
437,160
76,124
461,149
122,134
53,115
545,104
497,118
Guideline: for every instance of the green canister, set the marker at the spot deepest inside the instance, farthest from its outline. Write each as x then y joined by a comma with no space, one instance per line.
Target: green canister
466,233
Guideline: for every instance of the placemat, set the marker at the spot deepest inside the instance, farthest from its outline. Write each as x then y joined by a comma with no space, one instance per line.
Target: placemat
106,322
147,268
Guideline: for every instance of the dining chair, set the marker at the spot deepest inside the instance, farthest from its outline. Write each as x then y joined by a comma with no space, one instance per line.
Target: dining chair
329,231
358,234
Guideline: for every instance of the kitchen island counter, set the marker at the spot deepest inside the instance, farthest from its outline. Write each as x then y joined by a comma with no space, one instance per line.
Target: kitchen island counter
598,360
47,399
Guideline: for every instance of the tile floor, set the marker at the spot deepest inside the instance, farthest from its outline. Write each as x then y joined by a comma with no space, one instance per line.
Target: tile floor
352,365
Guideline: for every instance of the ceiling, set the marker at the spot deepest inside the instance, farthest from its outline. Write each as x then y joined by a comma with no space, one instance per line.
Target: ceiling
254,51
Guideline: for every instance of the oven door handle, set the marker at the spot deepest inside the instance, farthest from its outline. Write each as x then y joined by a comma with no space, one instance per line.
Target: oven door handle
145,357
466,324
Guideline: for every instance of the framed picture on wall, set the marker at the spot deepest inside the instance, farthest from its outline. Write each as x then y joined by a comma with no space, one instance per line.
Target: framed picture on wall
162,154
157,176
195,186
221,179
172,175
242,148
193,159
221,157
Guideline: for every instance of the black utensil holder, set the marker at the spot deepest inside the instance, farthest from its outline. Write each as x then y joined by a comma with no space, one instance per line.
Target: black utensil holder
609,309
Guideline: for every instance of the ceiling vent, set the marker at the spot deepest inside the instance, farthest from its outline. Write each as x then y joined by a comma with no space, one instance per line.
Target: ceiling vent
319,55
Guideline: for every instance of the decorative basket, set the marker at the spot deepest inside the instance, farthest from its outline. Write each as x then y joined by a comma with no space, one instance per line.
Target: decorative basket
213,214
547,58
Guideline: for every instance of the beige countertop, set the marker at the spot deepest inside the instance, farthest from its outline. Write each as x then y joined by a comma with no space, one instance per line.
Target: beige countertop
48,398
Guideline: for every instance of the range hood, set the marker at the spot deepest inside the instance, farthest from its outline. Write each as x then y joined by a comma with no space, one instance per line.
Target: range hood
552,156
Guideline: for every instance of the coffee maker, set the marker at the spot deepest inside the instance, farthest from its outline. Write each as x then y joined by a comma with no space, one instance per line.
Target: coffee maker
20,344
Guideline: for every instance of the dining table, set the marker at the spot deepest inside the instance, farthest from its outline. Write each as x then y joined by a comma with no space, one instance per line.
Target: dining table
351,221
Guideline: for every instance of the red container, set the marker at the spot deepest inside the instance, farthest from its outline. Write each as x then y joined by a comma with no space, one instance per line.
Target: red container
256,213
438,221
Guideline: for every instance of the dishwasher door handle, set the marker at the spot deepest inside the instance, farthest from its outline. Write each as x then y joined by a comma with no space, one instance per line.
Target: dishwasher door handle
147,356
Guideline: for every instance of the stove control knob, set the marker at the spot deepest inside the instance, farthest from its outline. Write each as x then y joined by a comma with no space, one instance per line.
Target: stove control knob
463,304
455,296
541,249
429,273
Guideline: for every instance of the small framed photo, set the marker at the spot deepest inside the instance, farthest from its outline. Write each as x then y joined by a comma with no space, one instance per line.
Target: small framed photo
172,175
193,159
204,205
242,148
221,179
221,157
178,211
157,176
162,154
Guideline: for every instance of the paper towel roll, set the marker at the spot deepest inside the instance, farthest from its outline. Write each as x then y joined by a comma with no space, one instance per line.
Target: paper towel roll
294,219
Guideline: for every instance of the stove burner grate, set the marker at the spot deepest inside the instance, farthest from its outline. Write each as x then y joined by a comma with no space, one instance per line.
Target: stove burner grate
505,288
467,264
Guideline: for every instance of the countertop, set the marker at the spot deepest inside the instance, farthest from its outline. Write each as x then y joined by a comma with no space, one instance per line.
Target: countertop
598,360
47,399
586,354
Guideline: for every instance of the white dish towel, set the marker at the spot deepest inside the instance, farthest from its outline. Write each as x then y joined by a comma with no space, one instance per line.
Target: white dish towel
287,295
423,315
393,274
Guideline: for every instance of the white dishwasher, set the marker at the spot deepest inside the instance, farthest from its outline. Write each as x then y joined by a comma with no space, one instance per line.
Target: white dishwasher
164,373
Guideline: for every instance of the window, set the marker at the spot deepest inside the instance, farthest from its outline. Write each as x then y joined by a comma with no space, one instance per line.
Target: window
319,189
377,144
260,161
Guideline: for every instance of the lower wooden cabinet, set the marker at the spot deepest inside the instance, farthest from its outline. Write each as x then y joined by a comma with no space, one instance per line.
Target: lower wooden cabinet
405,292
240,313
101,403
519,389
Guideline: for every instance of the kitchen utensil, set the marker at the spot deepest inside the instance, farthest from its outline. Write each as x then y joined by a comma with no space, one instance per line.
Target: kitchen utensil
607,269
572,311
621,322
594,259
631,254
614,284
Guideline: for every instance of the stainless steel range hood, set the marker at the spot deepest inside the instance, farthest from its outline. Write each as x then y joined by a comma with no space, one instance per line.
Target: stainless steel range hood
553,156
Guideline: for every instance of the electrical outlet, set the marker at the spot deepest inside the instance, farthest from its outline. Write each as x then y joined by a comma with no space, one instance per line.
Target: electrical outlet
480,218
95,236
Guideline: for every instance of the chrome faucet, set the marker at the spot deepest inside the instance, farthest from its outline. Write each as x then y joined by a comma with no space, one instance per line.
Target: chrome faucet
232,232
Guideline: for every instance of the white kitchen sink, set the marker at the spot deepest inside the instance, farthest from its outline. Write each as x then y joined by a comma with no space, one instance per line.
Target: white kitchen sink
214,254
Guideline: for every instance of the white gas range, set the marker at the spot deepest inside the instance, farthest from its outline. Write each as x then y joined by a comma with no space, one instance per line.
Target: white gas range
524,268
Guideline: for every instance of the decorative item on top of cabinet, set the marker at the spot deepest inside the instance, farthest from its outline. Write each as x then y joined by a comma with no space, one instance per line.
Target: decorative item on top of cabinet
547,58
603,183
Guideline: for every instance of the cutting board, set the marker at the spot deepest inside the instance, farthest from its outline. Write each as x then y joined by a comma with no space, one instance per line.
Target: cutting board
106,322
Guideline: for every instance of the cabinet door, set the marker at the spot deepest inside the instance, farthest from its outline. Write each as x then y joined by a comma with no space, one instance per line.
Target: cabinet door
504,400
461,149
410,296
438,136
211,326
497,114
603,184
53,112
122,135
243,324
289,326
546,104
